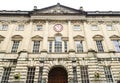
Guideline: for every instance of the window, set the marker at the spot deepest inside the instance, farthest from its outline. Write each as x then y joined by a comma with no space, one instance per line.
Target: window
84,74
15,46
30,75
6,75
58,44
95,27
116,45
50,46
65,46
20,27
109,27
4,27
39,27
36,46
40,74
108,74
79,46
75,74
76,27
99,46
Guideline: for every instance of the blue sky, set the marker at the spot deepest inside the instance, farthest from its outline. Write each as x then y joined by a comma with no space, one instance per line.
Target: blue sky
88,5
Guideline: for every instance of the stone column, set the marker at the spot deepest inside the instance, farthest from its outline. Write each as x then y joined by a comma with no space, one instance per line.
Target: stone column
88,36
45,38
27,37
71,41
107,45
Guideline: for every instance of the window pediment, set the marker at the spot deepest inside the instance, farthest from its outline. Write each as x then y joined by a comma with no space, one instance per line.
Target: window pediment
98,37
37,37
1,38
115,37
17,37
78,37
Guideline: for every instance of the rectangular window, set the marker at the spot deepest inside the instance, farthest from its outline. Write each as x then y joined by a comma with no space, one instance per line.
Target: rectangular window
40,74
4,27
39,27
117,45
76,27
6,75
79,46
99,46
84,74
109,27
15,46
36,46
65,46
95,27
20,27
108,74
50,46
30,75
58,44
75,74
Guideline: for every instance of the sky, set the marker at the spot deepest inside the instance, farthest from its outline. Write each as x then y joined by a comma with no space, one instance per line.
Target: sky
88,5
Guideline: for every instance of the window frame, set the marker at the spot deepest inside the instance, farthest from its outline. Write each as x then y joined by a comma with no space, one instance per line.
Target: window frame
20,28
30,74
36,46
6,75
15,46
108,74
84,74
95,27
76,28
99,45
79,49
39,27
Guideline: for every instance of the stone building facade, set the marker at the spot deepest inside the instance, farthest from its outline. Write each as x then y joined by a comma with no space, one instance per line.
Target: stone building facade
59,44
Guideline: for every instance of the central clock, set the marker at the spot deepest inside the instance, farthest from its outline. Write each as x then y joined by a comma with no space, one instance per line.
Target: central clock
58,27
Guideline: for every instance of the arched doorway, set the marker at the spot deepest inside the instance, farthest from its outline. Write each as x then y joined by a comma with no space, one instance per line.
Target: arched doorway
57,75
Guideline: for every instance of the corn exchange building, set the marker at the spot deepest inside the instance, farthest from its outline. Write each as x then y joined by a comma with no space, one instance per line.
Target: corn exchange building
59,44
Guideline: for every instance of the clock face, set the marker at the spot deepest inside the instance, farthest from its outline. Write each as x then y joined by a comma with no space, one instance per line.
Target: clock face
58,27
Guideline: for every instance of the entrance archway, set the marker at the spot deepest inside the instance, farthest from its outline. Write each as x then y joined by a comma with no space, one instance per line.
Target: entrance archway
57,75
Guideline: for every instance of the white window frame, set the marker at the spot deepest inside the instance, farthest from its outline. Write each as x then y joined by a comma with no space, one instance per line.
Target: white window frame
95,28
39,27
6,74
99,45
15,46
36,46
20,28
109,27
76,28
108,74
4,27
30,75
116,45
79,46
84,74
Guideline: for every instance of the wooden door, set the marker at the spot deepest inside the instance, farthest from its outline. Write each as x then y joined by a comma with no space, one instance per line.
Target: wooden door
57,75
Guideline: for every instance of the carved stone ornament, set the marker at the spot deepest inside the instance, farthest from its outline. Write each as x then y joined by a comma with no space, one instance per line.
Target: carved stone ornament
78,37
115,37
37,37
17,37
98,37
1,38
